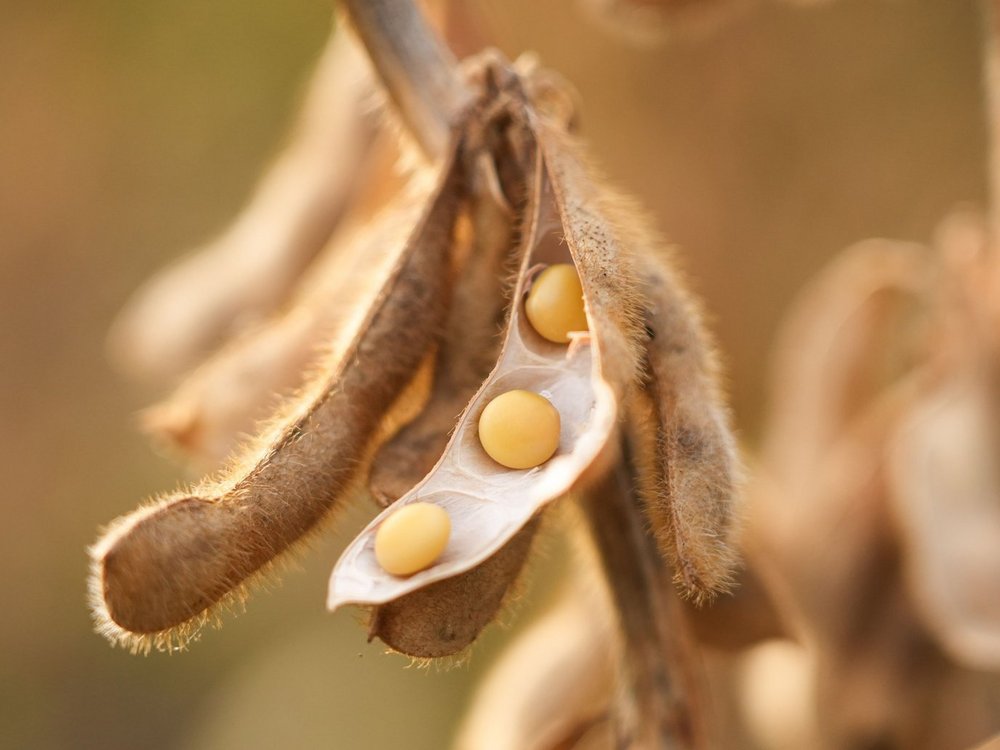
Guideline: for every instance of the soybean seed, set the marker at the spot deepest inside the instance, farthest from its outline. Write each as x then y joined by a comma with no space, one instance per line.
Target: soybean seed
555,303
412,538
519,429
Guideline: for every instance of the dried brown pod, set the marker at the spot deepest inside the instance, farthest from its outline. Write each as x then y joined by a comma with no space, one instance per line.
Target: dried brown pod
603,225
444,618
158,572
871,662
189,308
569,651
687,456
225,399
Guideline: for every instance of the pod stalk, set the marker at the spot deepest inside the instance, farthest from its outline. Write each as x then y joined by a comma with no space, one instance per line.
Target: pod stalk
418,70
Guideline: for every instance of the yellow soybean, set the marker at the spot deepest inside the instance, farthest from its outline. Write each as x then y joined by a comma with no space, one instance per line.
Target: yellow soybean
412,538
555,303
519,429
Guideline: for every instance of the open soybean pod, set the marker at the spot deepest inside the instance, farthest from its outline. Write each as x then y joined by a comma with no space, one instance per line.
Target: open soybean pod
446,617
566,220
158,572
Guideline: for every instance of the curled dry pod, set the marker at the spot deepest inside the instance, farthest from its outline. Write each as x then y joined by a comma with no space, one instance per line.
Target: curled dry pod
567,220
687,460
187,309
157,572
224,399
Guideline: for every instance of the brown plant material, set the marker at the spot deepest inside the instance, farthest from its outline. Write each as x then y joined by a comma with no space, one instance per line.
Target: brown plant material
159,571
189,308
947,447
469,346
224,400
841,343
777,698
687,457
658,701
514,168
741,617
870,475
444,618
591,224
826,463
569,652
489,504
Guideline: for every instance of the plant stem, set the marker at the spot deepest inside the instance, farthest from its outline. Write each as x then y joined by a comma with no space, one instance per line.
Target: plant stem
416,67
658,709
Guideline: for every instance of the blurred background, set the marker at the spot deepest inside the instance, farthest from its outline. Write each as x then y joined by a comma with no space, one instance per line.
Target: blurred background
130,132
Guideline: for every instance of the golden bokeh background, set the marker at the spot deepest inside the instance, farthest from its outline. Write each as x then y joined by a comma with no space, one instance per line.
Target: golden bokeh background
132,131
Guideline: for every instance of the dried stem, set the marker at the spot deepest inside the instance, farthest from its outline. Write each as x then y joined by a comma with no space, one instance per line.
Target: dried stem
419,71
658,688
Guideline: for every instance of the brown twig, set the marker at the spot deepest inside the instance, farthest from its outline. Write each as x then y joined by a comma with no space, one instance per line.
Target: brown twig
658,708
418,70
